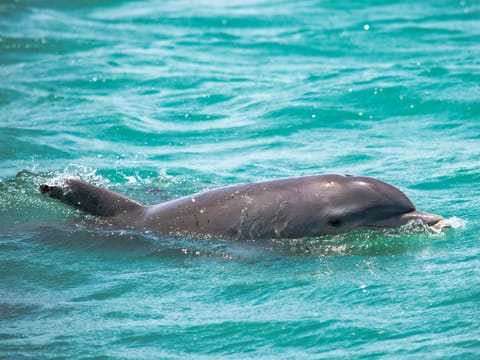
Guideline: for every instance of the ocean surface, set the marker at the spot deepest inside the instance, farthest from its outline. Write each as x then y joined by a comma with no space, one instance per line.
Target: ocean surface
160,99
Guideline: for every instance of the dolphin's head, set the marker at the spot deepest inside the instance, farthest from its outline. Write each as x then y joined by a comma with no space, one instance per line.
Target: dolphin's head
354,202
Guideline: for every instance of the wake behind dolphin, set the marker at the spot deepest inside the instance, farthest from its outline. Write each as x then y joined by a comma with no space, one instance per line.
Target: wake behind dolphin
307,206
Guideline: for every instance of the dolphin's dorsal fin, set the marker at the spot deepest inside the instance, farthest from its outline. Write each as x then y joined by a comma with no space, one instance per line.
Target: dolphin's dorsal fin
90,198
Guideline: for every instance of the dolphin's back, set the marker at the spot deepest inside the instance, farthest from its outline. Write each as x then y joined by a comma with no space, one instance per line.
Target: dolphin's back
281,208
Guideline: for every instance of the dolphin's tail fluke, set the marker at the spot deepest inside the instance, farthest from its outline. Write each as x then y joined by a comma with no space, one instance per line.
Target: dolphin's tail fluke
90,198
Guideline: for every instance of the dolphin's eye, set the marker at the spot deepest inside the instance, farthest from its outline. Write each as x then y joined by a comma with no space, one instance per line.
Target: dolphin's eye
335,222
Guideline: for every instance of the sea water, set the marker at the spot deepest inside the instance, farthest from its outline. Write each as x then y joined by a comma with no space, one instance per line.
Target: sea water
159,99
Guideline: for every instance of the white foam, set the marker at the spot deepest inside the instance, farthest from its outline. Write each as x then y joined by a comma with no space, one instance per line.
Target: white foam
456,222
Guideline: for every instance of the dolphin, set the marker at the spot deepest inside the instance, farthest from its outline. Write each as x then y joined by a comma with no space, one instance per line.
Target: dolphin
306,206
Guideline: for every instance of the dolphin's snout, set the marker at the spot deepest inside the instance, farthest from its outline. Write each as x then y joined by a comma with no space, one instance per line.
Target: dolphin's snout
427,218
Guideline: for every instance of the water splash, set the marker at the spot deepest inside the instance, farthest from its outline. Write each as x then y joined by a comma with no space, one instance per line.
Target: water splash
411,237
456,222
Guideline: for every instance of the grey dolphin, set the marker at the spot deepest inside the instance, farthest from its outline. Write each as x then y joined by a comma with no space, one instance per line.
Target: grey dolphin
297,207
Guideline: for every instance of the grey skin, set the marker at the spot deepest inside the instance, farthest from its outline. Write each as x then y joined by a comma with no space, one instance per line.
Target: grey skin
297,207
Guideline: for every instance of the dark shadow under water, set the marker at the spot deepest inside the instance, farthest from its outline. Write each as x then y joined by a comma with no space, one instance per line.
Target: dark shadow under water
149,246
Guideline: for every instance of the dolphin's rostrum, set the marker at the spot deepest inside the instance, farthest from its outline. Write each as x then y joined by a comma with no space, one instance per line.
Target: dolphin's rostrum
306,206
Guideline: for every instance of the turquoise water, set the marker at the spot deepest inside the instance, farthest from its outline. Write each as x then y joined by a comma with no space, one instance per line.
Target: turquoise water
159,99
